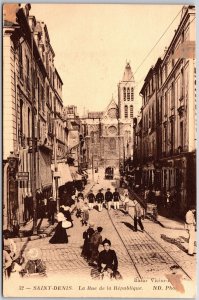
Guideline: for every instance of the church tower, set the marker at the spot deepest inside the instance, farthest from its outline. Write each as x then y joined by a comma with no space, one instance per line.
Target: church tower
125,108
126,94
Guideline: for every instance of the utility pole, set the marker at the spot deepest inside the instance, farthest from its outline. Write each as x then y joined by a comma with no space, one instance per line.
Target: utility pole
33,179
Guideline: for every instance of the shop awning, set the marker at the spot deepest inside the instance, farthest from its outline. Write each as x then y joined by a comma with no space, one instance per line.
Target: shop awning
64,173
74,173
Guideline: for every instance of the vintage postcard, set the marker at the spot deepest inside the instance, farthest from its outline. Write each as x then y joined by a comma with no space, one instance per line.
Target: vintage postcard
99,150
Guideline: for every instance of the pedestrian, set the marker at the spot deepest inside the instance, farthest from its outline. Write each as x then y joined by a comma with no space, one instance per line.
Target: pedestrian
67,213
138,215
60,235
95,241
34,264
158,197
126,200
7,263
26,208
80,195
86,249
108,198
146,192
85,213
100,200
11,248
91,199
116,199
51,210
191,228
8,244
107,260
79,205
151,196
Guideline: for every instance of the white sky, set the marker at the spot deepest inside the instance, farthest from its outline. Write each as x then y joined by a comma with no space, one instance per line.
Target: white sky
93,41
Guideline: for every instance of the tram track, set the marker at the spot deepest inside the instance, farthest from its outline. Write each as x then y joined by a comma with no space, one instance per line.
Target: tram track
153,251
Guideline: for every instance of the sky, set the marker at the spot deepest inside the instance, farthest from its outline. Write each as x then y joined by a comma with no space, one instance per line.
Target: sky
93,42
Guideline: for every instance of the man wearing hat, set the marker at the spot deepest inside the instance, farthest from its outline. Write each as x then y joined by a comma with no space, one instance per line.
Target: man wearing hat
51,210
116,199
107,260
138,215
91,199
95,241
86,249
108,198
100,199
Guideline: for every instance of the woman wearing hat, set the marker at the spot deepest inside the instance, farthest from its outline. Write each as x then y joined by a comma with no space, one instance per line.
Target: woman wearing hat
107,260
60,235
35,264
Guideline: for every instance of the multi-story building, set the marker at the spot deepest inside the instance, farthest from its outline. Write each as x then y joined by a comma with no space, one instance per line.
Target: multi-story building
32,105
168,118
109,134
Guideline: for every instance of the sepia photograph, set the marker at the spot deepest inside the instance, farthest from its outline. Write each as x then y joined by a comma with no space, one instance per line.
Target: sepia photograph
99,150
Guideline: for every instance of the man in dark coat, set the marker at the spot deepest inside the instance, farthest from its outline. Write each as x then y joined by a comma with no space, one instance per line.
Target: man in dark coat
91,199
108,198
95,241
86,249
116,199
107,260
51,210
100,199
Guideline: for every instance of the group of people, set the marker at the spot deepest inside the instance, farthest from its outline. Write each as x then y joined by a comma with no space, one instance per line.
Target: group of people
108,199
17,264
106,260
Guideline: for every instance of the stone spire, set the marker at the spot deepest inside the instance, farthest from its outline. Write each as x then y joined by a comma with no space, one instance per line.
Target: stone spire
128,74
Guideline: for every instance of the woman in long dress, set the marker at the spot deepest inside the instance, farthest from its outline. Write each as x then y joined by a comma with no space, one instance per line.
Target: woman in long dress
60,235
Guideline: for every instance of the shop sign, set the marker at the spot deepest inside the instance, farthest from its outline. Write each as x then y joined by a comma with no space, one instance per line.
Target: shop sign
22,176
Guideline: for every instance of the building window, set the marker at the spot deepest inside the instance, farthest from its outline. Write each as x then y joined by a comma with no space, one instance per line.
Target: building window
20,62
28,122
165,103
172,137
165,138
21,117
182,84
181,135
28,74
124,92
126,111
38,93
132,94
42,98
112,144
128,93
172,95
131,111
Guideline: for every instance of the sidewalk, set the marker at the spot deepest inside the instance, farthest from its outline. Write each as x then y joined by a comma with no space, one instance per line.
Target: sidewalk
165,222
45,228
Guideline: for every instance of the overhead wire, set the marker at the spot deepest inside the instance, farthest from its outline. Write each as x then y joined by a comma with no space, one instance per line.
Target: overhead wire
148,54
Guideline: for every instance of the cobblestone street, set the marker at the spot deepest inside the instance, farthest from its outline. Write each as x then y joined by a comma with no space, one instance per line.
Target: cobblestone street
147,252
